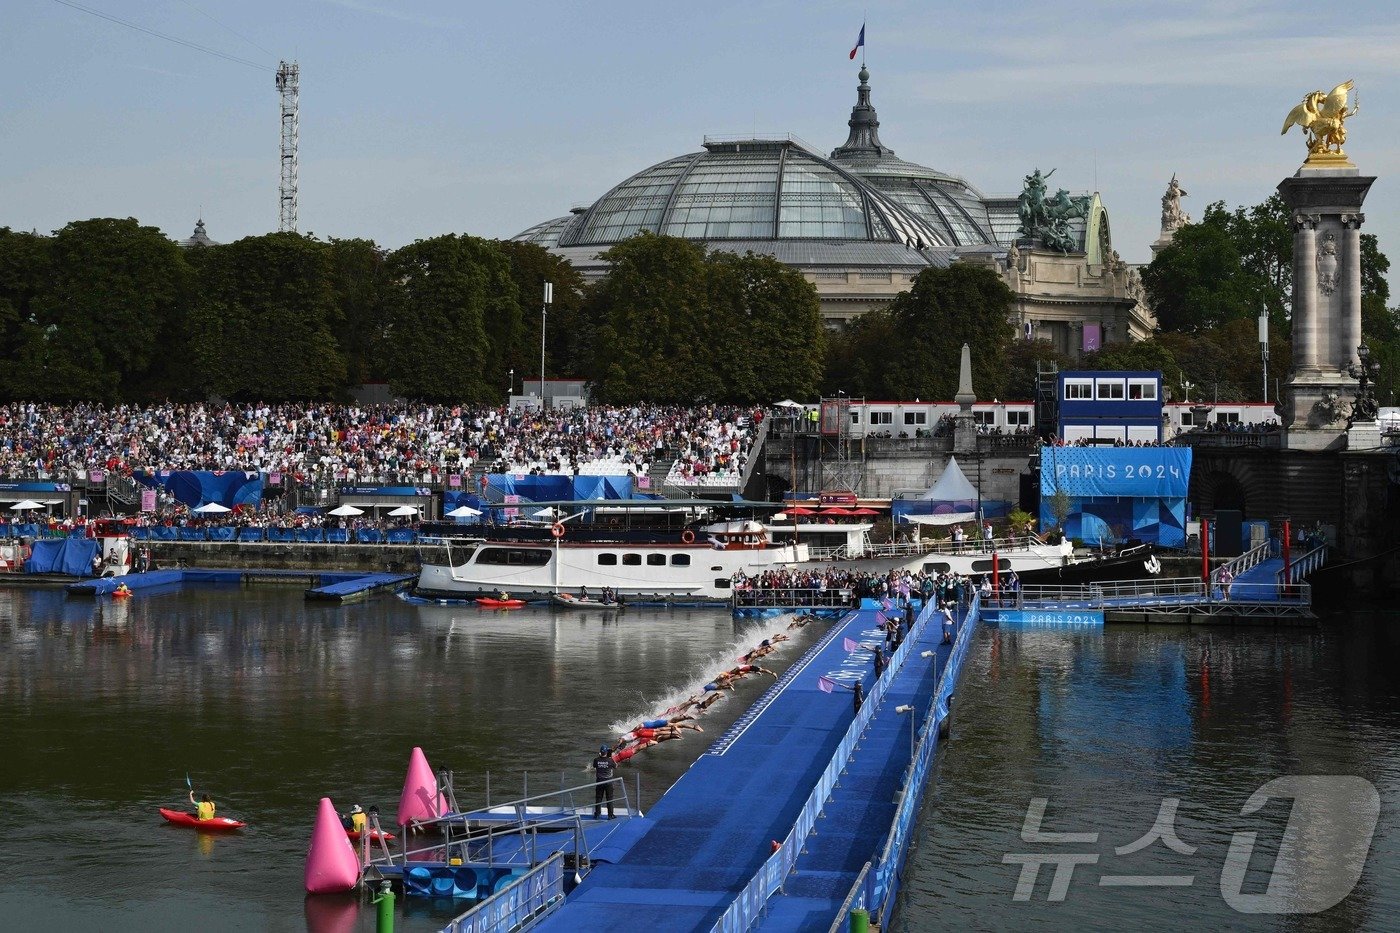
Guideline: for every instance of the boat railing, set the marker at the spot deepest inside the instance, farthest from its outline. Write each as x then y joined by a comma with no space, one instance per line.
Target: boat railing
519,905
898,549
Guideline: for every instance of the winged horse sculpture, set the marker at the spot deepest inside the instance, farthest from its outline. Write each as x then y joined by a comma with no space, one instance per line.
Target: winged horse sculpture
1322,117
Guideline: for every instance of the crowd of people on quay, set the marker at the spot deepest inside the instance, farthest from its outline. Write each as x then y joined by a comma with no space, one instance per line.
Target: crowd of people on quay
851,586
1239,427
407,442
1057,441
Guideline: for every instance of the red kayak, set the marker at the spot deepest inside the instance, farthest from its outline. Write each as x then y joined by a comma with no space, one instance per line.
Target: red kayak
355,834
488,603
217,824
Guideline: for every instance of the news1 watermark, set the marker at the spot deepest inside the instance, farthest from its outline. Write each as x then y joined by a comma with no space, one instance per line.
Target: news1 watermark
1319,858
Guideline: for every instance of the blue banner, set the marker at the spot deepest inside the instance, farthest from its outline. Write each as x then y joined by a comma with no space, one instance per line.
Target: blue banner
386,491
35,486
1046,618
1099,472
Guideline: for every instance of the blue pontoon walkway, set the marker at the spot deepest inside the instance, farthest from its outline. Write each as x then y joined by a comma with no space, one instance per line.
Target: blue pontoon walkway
713,831
331,585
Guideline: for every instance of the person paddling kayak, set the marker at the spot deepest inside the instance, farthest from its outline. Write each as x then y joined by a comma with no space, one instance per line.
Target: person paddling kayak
203,808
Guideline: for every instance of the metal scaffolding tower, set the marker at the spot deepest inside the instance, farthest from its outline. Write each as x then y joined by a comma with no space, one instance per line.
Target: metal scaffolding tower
289,85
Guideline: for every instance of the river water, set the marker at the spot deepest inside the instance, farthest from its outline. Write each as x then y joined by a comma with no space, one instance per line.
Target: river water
269,703
1105,726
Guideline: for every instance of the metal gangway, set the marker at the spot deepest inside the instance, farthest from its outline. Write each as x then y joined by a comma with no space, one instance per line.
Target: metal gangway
1172,596
545,833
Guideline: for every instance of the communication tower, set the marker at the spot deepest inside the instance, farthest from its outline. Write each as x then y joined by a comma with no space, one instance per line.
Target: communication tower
289,86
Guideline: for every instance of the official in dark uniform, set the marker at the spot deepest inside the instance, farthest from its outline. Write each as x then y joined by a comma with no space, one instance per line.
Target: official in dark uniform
603,768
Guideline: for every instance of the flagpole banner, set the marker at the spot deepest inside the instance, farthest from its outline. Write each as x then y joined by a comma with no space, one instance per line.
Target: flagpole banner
860,42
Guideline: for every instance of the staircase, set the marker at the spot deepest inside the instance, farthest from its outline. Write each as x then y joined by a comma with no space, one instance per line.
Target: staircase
122,490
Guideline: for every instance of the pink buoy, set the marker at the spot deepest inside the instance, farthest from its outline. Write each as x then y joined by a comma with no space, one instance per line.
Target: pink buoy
331,865
420,799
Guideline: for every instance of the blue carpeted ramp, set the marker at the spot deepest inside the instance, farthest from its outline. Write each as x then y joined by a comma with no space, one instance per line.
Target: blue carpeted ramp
712,831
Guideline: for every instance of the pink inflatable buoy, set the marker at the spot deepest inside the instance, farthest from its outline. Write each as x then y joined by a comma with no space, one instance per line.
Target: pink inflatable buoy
420,799
331,865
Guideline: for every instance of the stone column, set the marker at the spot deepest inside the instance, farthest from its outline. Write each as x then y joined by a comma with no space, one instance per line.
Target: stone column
1305,309
1351,289
1325,205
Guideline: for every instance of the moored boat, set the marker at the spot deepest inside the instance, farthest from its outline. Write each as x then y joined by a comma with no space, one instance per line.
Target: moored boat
686,550
570,601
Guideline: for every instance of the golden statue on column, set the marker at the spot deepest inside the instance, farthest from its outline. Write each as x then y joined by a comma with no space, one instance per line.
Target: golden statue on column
1323,120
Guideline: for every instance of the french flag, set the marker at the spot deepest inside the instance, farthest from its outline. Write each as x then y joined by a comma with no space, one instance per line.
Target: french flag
859,42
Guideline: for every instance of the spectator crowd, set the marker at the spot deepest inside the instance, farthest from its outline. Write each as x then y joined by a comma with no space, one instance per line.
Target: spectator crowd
404,442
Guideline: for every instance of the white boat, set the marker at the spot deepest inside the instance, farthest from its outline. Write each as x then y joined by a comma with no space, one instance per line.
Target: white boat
535,560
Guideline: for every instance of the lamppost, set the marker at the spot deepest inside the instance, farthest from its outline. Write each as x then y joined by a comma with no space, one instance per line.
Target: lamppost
544,320
1264,346
510,386
906,710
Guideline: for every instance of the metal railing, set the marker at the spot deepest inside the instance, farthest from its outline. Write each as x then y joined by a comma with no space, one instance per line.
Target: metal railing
526,817
518,906
795,597
907,812
1300,568
859,897
1138,593
749,903
1250,558
895,549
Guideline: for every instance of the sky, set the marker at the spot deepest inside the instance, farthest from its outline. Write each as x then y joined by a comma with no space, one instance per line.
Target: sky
423,117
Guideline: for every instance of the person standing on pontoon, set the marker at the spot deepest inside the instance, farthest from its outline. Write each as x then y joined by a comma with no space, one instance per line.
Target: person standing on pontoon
603,768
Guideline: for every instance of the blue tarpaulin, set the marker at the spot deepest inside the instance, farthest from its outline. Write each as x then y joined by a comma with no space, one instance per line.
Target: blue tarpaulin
556,488
198,487
62,555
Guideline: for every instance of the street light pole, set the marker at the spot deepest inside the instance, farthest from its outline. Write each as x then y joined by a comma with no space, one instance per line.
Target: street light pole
544,320
1264,347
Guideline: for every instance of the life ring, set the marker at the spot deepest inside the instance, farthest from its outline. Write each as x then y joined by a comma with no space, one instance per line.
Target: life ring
557,529
687,537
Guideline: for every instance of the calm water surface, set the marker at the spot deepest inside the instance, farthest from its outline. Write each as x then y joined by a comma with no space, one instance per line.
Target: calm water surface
1104,726
269,703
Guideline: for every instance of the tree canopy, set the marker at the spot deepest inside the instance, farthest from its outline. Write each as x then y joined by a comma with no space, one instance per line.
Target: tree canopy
913,348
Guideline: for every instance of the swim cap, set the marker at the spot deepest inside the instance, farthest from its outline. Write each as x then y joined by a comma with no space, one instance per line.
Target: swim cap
602,749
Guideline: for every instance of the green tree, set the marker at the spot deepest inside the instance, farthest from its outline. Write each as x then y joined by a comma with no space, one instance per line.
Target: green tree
440,344
647,320
856,356
1143,355
944,309
1024,358
762,328
566,336
1199,281
360,281
265,323
114,302
24,273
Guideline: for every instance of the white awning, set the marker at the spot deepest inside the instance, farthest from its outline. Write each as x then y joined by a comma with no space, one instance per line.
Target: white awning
952,518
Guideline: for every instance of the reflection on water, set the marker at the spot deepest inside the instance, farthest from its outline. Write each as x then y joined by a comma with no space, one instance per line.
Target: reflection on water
1104,727
268,703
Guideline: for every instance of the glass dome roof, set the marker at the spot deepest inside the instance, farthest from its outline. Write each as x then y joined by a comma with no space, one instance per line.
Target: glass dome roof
780,189
747,189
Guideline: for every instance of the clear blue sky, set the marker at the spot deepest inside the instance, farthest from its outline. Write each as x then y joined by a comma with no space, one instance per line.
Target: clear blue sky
422,117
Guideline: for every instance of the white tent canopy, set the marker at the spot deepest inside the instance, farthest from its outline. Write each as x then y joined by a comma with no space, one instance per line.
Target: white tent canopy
404,510
464,511
952,486
952,518
28,505
344,510
787,403
213,508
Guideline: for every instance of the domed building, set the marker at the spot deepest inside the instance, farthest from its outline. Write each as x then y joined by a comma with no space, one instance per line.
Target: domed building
859,224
